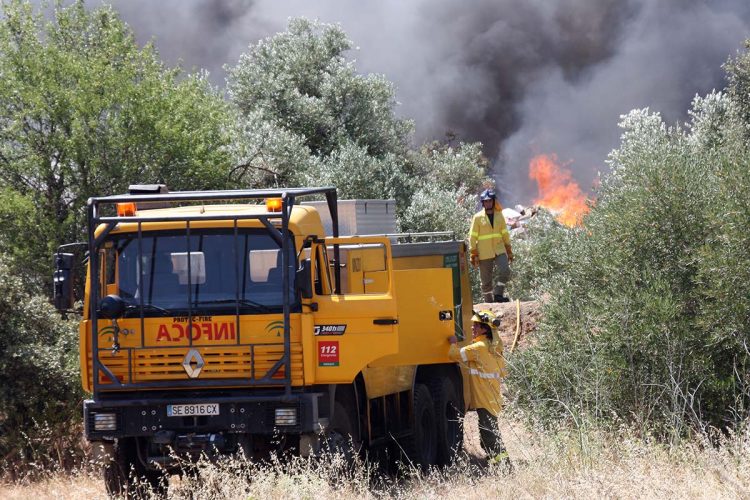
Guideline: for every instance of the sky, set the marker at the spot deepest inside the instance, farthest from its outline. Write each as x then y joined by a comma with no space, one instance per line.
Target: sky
523,77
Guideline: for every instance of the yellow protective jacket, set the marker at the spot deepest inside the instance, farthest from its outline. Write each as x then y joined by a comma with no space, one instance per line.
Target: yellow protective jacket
488,240
485,366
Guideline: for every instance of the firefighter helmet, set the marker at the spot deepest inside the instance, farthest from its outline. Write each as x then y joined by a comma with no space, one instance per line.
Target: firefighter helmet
486,318
488,194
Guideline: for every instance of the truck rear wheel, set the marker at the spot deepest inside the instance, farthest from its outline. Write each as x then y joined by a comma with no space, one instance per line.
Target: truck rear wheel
421,446
448,411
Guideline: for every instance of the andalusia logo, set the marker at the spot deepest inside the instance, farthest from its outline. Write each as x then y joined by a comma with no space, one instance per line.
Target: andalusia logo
108,332
275,327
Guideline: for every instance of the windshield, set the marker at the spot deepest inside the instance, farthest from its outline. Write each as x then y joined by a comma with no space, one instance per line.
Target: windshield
215,270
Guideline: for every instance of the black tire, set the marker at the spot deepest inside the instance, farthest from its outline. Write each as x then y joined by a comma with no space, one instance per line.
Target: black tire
116,472
343,435
421,445
126,477
449,414
158,481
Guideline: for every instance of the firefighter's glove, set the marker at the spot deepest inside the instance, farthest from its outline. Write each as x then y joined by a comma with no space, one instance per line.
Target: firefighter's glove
509,252
474,260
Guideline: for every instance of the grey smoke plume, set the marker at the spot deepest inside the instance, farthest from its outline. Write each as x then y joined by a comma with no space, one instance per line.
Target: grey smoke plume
537,76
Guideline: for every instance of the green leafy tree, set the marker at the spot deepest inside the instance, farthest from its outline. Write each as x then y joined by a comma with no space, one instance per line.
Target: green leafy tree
449,165
444,181
301,83
436,208
723,123
85,111
267,154
360,175
738,74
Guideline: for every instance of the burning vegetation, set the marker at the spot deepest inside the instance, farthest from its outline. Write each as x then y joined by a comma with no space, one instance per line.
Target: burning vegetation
558,192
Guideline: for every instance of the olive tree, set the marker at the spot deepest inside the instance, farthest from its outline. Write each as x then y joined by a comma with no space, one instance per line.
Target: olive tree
301,84
307,117
445,180
646,305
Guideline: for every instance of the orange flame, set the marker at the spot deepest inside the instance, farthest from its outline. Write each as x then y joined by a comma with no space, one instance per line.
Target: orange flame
558,192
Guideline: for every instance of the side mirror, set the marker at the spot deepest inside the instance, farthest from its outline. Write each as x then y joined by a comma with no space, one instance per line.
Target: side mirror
111,307
62,280
303,279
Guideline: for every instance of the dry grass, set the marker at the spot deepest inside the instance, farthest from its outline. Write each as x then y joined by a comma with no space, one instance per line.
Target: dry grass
566,464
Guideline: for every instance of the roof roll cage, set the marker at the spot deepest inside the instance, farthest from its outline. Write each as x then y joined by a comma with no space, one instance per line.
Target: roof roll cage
282,236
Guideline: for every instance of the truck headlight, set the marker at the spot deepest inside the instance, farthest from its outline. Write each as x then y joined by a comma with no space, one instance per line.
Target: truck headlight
286,416
105,421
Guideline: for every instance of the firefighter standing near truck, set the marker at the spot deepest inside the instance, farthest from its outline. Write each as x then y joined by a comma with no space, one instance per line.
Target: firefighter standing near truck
489,246
483,360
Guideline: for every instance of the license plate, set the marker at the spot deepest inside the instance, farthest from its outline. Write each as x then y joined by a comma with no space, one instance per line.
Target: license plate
197,410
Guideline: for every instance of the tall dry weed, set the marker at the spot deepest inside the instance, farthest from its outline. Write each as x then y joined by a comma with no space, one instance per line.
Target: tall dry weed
610,464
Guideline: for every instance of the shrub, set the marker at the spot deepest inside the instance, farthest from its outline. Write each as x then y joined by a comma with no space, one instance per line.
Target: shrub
537,254
40,390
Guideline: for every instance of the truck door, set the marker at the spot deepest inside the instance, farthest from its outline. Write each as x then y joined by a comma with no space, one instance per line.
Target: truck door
359,324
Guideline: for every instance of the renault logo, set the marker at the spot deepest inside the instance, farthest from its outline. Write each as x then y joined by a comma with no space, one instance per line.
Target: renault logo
193,363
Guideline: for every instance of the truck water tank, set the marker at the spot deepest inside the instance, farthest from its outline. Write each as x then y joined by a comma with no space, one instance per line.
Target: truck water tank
359,217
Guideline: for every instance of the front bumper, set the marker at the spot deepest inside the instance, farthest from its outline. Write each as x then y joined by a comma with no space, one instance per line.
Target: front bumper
148,417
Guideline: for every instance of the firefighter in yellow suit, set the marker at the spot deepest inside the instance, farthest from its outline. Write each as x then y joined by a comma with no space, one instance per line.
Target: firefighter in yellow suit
489,247
483,360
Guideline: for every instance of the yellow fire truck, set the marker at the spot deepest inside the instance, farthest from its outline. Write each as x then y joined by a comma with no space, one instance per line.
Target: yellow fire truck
227,321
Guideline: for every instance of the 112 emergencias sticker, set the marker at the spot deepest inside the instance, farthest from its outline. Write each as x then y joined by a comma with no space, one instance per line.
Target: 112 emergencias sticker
328,353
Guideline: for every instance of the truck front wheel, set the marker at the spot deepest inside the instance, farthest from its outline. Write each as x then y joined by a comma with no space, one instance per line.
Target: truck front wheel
343,435
126,477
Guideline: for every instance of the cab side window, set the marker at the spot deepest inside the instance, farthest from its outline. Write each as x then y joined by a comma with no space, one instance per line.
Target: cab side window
322,278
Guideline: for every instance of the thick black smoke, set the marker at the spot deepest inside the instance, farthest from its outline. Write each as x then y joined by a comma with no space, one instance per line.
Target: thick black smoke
537,76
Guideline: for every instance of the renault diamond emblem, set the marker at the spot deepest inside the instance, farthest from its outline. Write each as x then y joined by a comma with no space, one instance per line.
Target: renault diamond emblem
193,363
